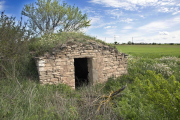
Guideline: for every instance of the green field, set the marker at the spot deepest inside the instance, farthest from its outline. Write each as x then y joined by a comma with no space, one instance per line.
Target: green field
150,51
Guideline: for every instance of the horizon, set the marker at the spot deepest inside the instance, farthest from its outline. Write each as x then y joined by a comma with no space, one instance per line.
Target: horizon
148,21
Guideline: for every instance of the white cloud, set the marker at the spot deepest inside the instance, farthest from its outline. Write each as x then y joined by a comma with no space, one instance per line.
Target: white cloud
173,10
127,27
153,27
172,37
124,31
141,16
115,12
176,12
2,5
114,26
113,17
164,9
107,27
164,33
127,20
96,22
166,2
110,27
116,4
133,5
143,2
110,32
88,10
176,20
96,19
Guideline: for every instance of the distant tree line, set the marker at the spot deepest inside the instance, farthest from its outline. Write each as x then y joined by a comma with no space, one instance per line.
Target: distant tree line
132,43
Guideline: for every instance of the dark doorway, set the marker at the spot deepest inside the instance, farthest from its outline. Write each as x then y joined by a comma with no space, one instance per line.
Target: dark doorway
81,71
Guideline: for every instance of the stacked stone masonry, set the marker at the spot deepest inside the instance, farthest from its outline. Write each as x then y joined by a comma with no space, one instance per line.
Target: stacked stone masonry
103,62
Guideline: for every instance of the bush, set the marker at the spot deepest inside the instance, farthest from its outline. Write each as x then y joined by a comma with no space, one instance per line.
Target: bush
14,40
150,96
164,94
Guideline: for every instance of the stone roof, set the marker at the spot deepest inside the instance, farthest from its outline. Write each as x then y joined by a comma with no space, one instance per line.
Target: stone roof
82,45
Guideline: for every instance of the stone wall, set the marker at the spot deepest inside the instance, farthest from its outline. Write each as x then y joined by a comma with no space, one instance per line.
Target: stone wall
103,62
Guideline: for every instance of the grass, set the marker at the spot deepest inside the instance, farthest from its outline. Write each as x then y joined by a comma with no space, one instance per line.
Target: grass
150,51
46,43
37,102
152,92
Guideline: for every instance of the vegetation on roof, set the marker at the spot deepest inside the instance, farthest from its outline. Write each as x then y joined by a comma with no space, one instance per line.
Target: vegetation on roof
47,42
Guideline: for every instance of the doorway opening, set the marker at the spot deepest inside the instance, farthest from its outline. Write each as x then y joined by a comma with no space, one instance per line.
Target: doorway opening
82,71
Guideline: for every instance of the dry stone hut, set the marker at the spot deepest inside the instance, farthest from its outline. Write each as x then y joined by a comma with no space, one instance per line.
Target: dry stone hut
75,63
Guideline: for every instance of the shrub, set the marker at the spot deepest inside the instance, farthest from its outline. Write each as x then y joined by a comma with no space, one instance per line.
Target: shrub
14,39
163,93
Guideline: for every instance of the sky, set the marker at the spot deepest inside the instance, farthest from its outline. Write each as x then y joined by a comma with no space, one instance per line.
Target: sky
140,21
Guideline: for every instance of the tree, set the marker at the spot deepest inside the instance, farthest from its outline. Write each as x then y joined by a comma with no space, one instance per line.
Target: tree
129,43
48,16
115,43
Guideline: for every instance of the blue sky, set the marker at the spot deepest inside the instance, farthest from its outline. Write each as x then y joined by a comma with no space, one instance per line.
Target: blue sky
144,20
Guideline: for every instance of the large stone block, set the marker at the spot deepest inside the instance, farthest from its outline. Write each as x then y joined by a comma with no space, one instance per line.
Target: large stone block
58,60
120,69
116,62
64,79
45,77
42,73
68,74
89,51
71,83
54,79
48,65
84,53
45,69
114,67
56,73
111,70
61,63
105,59
49,72
107,68
70,63
41,63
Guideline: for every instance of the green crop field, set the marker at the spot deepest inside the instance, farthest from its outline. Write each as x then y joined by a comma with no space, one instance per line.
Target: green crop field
150,51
